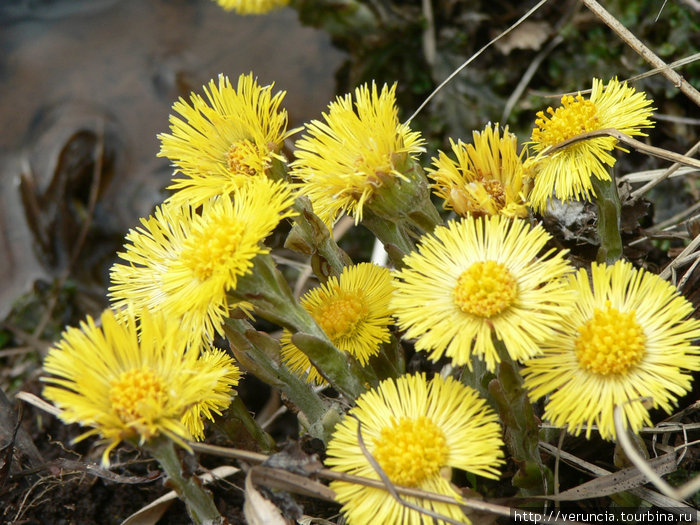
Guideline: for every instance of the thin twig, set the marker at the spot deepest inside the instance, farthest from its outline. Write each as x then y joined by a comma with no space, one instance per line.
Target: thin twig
647,54
689,272
429,42
472,58
677,262
671,169
390,487
678,494
629,141
82,234
527,76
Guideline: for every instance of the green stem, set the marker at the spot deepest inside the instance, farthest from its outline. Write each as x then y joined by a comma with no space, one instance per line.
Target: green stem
478,377
389,362
608,203
199,501
521,427
259,353
309,234
266,288
237,416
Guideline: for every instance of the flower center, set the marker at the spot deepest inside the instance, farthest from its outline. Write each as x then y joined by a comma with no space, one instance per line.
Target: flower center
575,116
244,158
213,247
137,394
340,315
482,196
611,342
411,450
485,289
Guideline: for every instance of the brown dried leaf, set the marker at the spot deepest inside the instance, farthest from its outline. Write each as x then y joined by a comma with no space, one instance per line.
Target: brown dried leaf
257,509
528,35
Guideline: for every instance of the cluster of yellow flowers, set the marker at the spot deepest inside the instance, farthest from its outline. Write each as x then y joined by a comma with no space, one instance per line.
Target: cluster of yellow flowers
485,286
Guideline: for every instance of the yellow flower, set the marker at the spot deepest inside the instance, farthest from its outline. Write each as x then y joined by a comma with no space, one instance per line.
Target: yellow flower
488,178
415,429
354,312
218,366
134,381
479,278
346,160
233,135
567,172
252,7
627,338
182,263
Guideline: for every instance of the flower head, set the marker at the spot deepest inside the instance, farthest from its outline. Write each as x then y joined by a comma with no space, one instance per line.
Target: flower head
135,380
414,428
627,338
353,310
182,262
221,141
344,161
567,172
488,177
252,7
480,278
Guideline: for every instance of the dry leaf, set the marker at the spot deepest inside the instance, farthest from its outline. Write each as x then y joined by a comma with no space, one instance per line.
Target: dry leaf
257,509
528,35
151,513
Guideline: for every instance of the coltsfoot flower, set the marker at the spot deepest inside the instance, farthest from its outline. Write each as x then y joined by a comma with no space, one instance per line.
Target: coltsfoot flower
134,379
567,172
252,7
479,278
415,429
487,178
221,141
628,337
182,262
345,160
353,310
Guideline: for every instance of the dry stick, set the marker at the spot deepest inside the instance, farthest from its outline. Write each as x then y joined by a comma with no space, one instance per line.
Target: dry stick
82,234
675,263
472,58
254,457
678,494
629,141
527,76
673,65
389,486
676,219
647,54
557,457
671,169
429,41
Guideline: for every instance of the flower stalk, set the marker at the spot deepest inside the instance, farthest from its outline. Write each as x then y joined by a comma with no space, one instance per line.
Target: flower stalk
310,235
198,500
266,288
608,203
521,427
259,353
